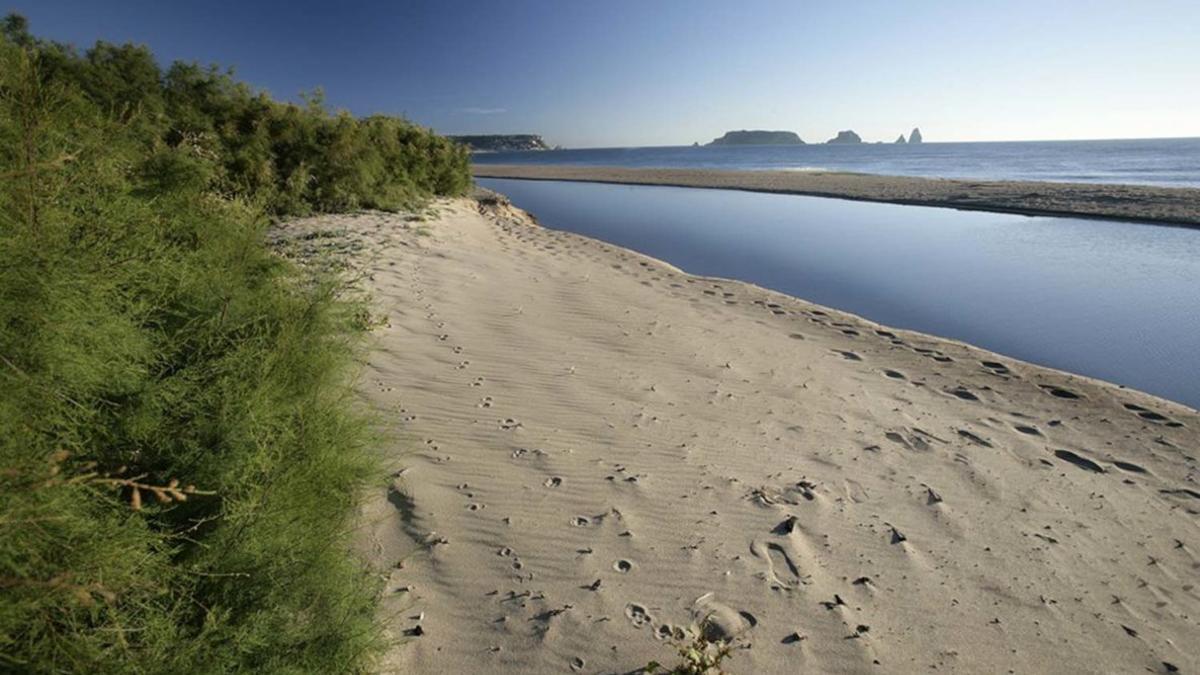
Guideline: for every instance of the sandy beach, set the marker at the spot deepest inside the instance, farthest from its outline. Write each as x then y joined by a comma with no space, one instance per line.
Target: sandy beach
594,452
1175,206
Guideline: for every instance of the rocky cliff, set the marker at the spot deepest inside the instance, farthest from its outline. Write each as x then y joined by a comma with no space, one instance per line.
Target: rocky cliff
845,137
758,137
502,142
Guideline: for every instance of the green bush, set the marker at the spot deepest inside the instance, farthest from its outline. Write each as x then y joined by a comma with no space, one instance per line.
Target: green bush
179,456
287,159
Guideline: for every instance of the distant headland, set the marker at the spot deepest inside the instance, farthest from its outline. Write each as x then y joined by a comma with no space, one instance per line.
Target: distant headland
502,142
524,142
764,137
758,137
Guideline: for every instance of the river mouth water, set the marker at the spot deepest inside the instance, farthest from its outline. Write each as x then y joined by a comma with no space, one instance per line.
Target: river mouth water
1111,300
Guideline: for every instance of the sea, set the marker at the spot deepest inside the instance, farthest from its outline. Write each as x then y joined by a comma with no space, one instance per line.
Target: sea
1167,162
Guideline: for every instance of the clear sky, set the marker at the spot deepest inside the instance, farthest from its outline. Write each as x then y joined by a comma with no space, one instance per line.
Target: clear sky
662,72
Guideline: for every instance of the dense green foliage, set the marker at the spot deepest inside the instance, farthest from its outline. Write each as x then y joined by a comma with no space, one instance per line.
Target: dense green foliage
285,158
150,341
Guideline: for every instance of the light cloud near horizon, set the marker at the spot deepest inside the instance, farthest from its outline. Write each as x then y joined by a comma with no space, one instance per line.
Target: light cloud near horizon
482,111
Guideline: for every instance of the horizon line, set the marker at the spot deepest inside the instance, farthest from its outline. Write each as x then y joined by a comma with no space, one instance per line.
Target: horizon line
940,142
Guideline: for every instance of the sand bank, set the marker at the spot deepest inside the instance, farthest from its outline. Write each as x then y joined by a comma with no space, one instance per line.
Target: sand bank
1175,206
594,451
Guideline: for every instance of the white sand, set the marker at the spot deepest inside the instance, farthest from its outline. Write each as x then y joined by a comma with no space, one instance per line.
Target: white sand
559,408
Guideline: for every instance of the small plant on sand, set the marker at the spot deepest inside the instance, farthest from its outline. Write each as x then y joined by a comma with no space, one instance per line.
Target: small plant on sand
700,656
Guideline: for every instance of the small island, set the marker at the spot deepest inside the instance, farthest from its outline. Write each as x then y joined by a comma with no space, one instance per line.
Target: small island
758,137
502,142
846,137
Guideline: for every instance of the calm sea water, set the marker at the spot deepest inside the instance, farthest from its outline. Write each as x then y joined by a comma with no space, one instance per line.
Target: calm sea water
1112,300
1169,162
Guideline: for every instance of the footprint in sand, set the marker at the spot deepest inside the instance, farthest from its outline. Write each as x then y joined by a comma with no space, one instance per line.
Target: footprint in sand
977,440
477,382
849,356
720,622
782,571
1079,461
1182,492
996,367
668,632
1027,429
552,482
1151,416
623,566
933,354
485,402
638,615
786,527
1059,392
895,374
964,394
1129,466
509,424
914,441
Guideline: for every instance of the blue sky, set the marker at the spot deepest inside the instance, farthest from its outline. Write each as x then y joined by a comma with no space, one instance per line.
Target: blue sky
659,72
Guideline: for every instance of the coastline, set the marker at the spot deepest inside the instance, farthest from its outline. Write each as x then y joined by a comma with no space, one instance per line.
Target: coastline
844,496
1134,203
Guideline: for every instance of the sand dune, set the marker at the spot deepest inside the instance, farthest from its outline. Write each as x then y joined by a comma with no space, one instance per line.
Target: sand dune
594,451
1175,206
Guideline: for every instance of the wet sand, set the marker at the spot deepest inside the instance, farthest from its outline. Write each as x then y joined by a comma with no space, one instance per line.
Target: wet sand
594,451
1174,206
